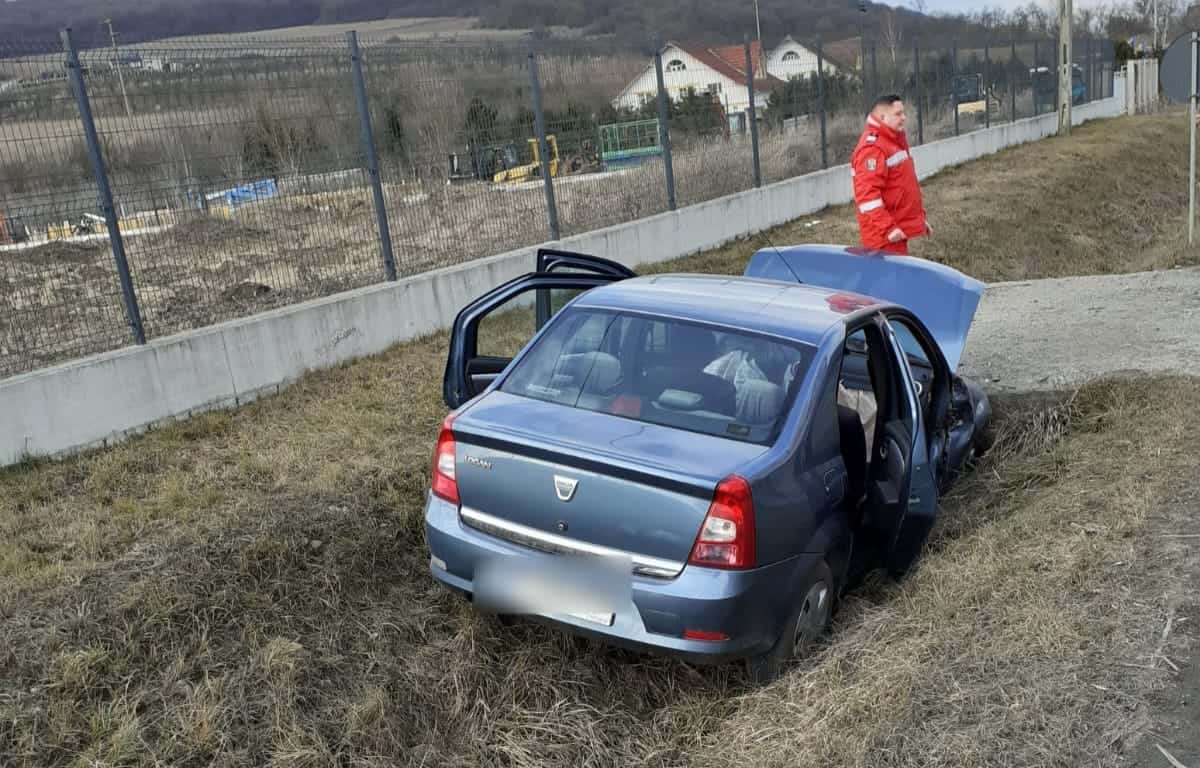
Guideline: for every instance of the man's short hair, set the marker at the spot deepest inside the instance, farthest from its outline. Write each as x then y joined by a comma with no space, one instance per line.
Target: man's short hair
886,100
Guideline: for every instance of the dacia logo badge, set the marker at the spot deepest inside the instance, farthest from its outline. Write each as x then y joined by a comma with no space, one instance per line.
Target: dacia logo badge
565,487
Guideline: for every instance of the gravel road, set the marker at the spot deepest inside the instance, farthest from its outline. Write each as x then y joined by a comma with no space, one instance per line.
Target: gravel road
1049,334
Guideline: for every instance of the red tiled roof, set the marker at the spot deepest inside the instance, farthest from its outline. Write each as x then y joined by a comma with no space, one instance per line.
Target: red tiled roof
730,60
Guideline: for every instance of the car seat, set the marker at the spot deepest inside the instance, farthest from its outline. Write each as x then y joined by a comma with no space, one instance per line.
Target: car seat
854,455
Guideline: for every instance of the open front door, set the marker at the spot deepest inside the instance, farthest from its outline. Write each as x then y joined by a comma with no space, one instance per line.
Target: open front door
490,331
917,506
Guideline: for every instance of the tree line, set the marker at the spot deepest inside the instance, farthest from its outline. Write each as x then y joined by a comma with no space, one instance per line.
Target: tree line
626,20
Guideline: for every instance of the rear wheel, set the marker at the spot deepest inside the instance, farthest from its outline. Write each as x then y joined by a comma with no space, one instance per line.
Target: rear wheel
806,625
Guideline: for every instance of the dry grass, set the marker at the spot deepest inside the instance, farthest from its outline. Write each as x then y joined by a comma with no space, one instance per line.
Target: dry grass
251,587
1111,199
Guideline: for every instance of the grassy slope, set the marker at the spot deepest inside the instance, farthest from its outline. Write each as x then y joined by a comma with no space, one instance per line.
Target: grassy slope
251,587
1112,198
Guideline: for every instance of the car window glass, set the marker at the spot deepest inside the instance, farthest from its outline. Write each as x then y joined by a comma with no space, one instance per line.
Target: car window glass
908,341
686,375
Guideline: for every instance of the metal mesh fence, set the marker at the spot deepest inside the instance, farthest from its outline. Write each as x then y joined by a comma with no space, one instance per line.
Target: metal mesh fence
236,173
59,299
252,174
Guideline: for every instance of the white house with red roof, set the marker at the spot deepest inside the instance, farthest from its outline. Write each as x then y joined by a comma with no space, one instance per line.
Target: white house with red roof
721,71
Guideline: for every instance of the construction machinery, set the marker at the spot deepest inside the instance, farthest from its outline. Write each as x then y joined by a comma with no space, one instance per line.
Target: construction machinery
971,96
531,170
1045,85
485,161
501,163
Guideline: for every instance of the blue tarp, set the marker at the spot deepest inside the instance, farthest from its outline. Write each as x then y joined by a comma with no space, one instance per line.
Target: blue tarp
247,193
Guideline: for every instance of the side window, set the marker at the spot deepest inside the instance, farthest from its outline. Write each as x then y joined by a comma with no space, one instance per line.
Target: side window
917,354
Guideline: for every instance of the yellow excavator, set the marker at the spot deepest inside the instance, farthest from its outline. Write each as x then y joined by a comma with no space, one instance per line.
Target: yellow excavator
532,170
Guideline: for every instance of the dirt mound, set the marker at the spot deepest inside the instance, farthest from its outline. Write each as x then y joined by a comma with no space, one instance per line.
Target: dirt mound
59,252
212,229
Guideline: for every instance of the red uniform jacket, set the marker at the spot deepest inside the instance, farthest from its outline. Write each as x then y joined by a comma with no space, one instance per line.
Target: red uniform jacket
886,191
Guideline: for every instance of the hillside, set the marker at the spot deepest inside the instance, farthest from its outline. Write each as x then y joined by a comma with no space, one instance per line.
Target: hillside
632,21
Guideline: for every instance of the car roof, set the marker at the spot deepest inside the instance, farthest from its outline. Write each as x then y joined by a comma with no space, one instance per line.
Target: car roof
793,311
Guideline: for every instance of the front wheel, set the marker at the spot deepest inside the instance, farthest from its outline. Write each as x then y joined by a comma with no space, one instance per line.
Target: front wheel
806,625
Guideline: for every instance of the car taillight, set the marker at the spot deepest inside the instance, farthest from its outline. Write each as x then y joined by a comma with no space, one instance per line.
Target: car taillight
726,539
444,484
700,634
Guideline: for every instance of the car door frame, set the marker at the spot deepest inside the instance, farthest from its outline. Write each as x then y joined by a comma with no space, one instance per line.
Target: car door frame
464,338
919,499
550,260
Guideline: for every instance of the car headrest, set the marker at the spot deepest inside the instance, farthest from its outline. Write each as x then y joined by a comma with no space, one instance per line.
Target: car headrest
595,371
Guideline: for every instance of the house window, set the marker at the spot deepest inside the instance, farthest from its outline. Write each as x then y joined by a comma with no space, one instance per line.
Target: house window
714,89
675,65
791,56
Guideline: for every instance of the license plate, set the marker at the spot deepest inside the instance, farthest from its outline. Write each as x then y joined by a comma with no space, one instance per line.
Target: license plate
603,619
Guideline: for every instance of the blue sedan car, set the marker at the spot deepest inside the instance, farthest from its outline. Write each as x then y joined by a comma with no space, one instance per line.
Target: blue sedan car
698,464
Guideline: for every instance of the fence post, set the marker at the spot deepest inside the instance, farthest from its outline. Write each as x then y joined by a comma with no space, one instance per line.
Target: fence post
96,155
1012,79
1057,77
954,84
372,158
1091,51
1033,81
664,128
821,102
539,126
751,113
987,86
920,93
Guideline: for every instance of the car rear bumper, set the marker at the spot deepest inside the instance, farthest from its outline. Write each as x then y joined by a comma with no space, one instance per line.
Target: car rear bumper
747,606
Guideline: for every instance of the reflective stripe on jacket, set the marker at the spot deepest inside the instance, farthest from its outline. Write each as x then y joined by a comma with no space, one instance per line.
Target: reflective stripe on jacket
886,192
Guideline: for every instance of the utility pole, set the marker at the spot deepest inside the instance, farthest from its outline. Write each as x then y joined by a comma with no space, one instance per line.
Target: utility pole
758,24
862,55
1065,16
117,63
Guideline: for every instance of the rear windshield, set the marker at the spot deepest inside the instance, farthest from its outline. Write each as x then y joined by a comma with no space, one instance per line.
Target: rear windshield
679,374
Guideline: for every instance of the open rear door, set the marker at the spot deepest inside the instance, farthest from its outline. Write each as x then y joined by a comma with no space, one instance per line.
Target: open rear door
552,261
490,331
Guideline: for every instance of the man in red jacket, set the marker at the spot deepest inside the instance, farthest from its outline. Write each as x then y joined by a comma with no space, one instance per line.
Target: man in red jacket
886,191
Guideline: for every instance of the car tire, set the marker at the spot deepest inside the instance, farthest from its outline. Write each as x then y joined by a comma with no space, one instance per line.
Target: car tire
807,623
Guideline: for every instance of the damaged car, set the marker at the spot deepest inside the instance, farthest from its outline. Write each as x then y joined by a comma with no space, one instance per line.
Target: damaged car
699,464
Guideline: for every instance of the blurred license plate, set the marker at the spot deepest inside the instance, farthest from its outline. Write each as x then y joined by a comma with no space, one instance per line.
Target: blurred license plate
604,619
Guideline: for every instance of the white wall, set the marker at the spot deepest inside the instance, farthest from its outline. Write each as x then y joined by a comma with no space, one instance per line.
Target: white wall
803,65
105,397
696,74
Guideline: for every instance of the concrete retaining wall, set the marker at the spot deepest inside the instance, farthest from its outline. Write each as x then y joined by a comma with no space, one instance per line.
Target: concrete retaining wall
98,399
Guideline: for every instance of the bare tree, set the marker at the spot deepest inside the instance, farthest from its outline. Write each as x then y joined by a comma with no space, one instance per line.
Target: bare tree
1043,16
1160,15
920,6
892,32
